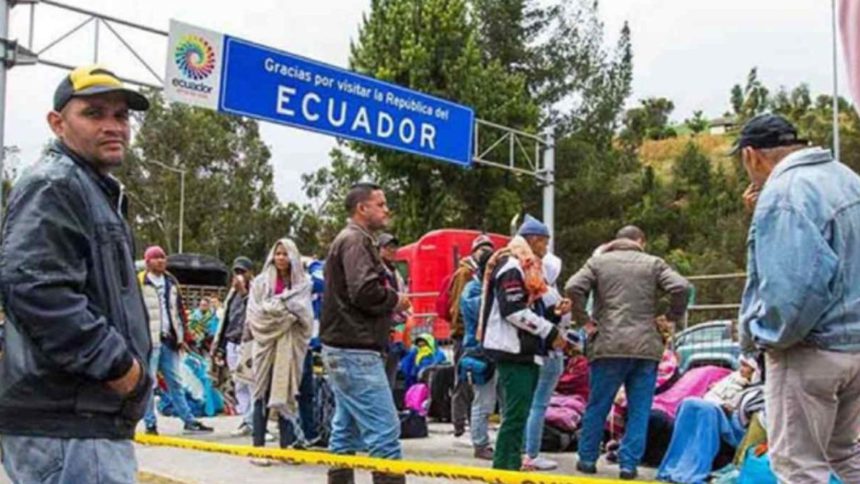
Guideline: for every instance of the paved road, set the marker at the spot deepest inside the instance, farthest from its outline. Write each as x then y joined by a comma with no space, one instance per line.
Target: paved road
191,466
200,467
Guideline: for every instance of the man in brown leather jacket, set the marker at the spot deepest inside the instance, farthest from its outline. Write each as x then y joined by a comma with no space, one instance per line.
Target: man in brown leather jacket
354,331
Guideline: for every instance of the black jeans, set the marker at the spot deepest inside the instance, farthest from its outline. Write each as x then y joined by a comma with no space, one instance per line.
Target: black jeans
306,398
261,416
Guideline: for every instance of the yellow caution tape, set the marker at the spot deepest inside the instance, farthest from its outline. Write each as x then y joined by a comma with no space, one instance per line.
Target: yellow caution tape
411,468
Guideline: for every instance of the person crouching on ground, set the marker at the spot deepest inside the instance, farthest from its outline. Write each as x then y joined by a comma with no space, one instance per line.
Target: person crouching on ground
424,354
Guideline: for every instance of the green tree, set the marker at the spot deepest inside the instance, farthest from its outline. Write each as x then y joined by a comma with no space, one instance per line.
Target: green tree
230,204
752,99
433,46
698,123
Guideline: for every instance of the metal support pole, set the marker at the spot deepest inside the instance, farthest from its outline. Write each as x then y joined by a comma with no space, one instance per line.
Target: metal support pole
96,44
181,207
32,23
835,87
549,188
4,34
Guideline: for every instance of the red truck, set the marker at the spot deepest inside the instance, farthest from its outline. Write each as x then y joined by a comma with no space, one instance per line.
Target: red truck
425,263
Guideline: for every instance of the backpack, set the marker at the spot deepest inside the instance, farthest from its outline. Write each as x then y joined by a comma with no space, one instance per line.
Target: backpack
443,301
475,367
440,380
417,398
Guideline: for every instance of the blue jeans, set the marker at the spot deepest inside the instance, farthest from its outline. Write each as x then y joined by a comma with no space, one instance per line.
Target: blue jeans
483,404
550,372
48,460
167,361
365,416
606,376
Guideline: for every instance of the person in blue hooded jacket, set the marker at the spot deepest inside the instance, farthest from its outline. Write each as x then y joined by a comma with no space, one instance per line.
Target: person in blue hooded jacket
484,401
423,354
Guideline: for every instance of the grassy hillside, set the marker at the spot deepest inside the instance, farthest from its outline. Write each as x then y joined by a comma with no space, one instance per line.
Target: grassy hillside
660,154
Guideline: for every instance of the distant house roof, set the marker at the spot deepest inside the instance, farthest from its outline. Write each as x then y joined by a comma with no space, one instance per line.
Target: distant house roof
723,121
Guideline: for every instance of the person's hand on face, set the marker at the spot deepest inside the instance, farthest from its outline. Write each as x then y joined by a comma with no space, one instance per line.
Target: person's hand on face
751,196
563,307
239,282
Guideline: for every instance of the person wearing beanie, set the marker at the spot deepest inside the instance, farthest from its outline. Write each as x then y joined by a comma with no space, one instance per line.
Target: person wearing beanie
624,344
233,340
74,380
168,328
516,329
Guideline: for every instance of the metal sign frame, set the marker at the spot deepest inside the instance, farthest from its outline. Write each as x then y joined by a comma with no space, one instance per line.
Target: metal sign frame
509,149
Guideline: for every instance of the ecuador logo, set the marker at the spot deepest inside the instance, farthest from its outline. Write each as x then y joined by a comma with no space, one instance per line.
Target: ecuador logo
194,57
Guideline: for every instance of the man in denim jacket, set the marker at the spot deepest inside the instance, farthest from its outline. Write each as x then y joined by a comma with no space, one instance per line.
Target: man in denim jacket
801,305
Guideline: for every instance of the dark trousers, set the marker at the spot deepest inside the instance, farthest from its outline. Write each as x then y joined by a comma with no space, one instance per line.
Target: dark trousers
462,396
306,398
261,416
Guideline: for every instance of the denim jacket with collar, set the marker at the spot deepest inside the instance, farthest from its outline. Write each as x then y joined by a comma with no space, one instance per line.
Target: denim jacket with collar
803,258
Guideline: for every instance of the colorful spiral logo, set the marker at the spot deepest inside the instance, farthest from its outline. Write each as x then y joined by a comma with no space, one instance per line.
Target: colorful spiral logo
194,57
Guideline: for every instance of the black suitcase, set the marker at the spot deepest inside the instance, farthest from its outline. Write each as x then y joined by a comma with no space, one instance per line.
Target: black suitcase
413,425
440,380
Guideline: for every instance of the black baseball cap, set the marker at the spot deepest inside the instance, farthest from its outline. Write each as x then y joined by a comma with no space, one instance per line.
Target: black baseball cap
767,131
93,80
243,263
387,239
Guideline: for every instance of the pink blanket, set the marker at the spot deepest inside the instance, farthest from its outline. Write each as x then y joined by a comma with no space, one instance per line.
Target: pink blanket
694,383
565,412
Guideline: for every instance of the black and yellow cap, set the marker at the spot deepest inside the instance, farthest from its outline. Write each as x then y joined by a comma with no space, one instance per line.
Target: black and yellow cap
93,80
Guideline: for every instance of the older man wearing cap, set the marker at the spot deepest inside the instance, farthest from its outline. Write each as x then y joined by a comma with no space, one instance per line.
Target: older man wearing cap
74,380
801,304
168,329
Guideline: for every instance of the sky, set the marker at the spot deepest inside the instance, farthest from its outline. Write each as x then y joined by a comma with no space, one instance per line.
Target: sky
690,51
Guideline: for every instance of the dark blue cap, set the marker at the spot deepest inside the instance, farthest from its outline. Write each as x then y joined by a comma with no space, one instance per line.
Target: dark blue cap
767,131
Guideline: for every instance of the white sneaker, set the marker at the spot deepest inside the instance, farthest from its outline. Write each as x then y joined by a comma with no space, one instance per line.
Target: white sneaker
270,437
538,464
243,431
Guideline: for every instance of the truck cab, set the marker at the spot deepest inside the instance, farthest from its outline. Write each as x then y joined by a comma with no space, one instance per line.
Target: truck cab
426,263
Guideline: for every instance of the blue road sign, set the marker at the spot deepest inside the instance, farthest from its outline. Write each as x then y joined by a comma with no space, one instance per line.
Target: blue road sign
277,86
